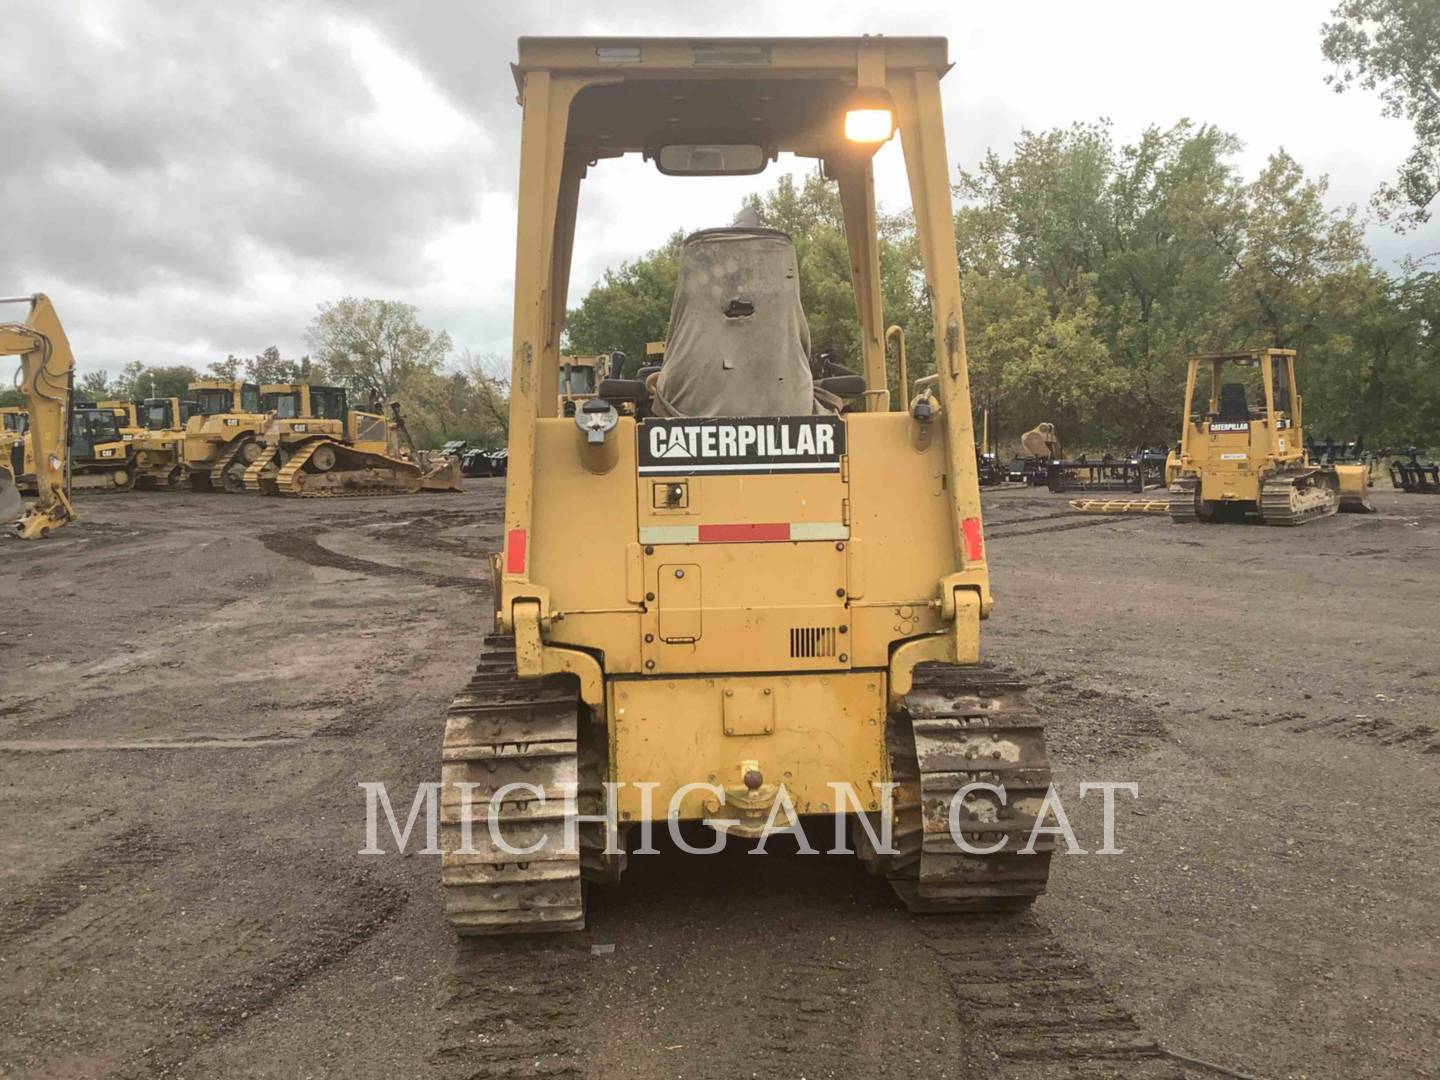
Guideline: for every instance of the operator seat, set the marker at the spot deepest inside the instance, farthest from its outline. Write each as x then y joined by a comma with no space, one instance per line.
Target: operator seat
1233,407
738,343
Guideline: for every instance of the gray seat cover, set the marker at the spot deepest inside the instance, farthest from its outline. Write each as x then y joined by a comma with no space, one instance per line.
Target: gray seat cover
721,360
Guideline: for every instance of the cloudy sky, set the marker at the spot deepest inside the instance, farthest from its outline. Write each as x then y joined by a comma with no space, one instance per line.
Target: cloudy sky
188,180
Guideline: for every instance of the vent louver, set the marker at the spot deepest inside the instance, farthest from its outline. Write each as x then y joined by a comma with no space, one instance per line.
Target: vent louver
811,641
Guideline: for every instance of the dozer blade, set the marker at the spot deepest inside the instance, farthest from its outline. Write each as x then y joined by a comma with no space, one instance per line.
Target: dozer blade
1354,489
11,505
440,473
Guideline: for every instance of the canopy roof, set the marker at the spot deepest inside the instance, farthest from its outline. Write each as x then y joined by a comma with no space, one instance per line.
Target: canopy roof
780,93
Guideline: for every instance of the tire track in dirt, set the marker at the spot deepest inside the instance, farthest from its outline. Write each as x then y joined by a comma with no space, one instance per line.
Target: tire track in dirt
1417,737
1111,519
112,866
1038,1006
302,544
511,1010
427,532
254,964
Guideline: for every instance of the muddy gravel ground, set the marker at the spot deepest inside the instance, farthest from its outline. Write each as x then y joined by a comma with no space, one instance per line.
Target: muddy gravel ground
192,688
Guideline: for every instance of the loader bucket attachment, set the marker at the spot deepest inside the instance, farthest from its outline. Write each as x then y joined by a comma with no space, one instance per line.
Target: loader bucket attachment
11,505
1354,489
440,473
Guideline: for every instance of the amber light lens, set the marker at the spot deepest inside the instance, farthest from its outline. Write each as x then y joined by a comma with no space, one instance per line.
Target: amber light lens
869,125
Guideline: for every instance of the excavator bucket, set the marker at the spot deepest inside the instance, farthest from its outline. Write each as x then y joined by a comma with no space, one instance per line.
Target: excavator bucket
11,505
1354,489
440,472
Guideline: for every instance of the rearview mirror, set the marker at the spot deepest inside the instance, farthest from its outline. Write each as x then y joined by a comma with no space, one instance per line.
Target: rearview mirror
714,160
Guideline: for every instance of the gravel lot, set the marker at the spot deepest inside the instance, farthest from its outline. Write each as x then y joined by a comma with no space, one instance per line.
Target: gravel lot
192,687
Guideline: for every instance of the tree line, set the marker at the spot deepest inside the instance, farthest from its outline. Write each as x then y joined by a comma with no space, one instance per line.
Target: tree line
1091,270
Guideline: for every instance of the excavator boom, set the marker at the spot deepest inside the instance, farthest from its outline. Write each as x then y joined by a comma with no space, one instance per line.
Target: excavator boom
46,368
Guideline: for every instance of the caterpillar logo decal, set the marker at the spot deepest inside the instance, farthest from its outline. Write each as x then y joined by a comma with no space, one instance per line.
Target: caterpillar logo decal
771,444
1230,425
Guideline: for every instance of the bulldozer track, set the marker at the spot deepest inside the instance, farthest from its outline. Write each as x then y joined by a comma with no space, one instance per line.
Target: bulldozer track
958,726
255,482
502,729
216,474
370,474
101,481
1283,499
1184,493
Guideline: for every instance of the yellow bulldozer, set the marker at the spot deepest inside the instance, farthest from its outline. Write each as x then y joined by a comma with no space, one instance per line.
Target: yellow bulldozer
314,444
580,379
1243,453
222,438
158,439
758,595
100,457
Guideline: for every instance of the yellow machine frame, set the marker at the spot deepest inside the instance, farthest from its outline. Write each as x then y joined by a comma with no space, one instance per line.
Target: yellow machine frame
550,75
759,628
1259,460
160,452
570,395
216,442
47,366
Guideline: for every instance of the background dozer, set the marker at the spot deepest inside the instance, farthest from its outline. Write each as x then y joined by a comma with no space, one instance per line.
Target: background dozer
159,441
13,450
47,370
581,376
315,444
1245,450
759,581
222,438
101,457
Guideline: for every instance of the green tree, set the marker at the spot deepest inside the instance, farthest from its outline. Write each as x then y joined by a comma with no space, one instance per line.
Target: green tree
227,370
1288,246
375,346
470,403
93,385
811,213
269,367
627,308
137,381
1121,246
1394,46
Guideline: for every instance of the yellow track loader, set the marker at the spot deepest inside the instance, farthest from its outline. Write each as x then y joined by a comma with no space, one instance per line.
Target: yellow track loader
101,457
1245,450
47,368
222,438
314,444
758,597
159,441
580,379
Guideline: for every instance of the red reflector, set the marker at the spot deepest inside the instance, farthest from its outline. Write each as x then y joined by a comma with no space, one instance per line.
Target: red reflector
744,534
515,551
974,545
